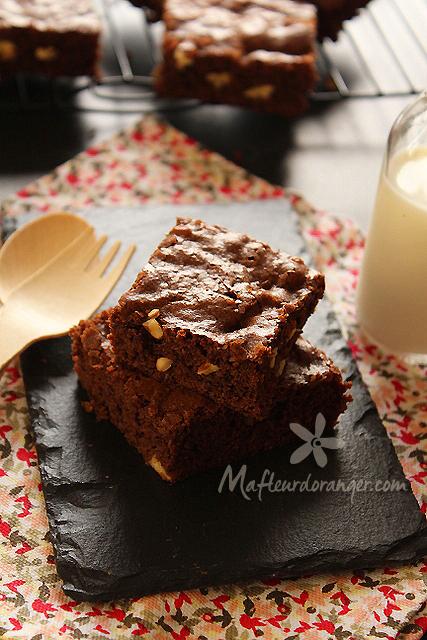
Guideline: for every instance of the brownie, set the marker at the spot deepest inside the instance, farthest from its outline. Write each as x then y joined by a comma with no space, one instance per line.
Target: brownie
49,37
332,13
259,54
179,432
217,312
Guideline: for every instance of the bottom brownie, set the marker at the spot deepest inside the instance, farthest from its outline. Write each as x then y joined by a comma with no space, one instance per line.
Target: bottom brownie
180,433
266,84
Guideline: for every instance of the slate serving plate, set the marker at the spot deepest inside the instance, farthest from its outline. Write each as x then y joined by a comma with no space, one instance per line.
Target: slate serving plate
118,530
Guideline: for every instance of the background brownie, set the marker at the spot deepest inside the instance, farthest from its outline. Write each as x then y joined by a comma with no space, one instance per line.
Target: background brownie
49,37
258,54
154,8
332,13
216,312
179,432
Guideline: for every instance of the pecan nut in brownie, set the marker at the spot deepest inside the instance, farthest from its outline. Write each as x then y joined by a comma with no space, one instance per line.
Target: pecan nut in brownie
179,432
224,311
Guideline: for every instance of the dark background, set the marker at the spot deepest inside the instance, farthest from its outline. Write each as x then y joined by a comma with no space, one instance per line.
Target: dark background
332,155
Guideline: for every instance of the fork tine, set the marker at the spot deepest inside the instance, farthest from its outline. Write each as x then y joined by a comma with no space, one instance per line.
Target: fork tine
112,277
79,247
85,257
106,284
99,265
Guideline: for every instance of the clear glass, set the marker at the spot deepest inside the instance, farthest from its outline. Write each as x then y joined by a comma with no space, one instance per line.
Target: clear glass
392,291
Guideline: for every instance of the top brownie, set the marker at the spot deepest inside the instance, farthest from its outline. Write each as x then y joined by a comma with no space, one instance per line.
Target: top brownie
217,311
244,26
257,53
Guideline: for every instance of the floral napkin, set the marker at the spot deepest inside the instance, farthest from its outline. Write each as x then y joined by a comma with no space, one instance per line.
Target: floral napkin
153,162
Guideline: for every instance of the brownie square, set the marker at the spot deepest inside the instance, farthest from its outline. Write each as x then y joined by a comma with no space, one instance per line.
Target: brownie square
259,54
49,37
216,312
180,432
332,13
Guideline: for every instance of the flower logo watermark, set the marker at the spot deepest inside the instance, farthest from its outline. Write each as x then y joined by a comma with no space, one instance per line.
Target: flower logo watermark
313,443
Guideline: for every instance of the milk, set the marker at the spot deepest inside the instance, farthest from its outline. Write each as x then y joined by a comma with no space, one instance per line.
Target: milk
392,293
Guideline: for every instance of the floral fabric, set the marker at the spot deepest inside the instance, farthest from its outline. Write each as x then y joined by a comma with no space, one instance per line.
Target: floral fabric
153,162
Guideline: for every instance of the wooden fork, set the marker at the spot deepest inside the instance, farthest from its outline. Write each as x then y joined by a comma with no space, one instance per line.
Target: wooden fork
57,296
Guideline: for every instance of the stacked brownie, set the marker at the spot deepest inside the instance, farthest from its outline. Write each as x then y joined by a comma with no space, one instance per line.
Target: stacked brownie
330,13
259,54
255,53
201,362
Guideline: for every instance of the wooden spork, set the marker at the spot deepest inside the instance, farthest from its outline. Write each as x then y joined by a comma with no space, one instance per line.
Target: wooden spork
58,295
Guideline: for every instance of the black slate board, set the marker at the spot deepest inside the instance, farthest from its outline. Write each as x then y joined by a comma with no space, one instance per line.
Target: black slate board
118,530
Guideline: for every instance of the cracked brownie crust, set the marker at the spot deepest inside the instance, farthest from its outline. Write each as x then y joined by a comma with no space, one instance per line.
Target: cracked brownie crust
217,312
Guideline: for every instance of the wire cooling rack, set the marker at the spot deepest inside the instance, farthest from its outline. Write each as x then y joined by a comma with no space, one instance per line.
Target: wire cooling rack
382,52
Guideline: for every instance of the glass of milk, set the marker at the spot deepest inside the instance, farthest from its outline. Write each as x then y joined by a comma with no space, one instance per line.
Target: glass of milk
392,292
